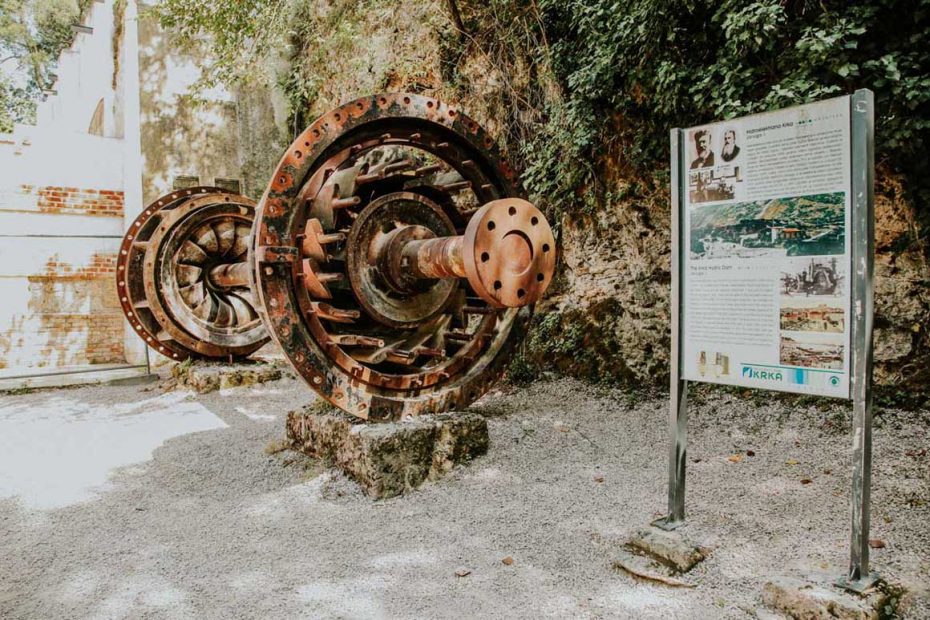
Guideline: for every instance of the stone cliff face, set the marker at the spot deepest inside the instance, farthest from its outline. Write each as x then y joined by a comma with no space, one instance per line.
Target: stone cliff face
902,290
614,292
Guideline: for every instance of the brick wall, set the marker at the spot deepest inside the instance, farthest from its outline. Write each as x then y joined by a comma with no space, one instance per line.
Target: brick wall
75,201
73,317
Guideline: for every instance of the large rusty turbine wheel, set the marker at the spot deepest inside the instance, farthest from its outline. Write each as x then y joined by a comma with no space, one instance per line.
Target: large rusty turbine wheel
182,276
393,260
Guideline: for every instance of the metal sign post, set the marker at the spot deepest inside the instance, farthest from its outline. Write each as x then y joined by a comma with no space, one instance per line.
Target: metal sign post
824,121
678,388
863,181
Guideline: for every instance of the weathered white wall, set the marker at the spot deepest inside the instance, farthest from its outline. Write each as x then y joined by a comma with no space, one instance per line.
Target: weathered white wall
66,196
61,217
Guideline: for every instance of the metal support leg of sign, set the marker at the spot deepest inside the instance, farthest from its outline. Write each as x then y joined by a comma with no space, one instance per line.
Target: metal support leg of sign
678,393
862,118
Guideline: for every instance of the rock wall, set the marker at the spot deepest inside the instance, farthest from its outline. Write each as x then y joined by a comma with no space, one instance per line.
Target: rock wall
615,287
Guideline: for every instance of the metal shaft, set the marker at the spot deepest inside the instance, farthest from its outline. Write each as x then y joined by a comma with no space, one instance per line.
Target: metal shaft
230,275
436,258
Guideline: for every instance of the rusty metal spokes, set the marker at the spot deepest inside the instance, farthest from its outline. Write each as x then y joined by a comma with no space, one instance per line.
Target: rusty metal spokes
393,261
182,276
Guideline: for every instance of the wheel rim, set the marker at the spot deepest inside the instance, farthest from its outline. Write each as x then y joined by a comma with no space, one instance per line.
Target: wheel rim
156,261
314,234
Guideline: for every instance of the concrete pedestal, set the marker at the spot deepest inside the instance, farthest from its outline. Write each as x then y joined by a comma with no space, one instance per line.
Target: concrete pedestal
204,377
659,555
388,458
815,599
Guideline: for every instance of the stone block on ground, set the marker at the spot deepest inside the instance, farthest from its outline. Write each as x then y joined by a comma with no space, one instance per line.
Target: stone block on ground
660,556
204,377
670,547
813,600
388,458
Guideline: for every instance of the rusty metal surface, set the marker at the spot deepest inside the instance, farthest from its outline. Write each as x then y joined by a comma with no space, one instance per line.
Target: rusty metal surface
509,253
163,276
361,243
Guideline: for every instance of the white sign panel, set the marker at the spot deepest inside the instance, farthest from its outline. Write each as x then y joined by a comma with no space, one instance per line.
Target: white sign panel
766,280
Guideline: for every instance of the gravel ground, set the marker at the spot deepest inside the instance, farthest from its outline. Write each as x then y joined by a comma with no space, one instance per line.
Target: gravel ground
209,524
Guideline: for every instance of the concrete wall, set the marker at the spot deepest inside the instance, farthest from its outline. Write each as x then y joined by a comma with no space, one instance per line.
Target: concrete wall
182,135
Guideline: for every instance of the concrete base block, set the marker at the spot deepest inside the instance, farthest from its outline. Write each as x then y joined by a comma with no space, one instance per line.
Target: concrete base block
671,548
388,458
660,556
813,600
204,377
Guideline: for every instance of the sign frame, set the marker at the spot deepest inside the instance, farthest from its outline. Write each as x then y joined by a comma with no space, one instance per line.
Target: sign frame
861,270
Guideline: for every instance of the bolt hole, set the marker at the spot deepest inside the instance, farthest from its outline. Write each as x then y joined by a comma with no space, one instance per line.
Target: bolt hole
338,117
497,285
512,210
545,247
382,100
534,220
359,105
521,293
492,225
407,100
429,104
298,154
485,257
540,277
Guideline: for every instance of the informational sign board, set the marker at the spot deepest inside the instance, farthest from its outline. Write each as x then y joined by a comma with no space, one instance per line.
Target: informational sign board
772,260
766,220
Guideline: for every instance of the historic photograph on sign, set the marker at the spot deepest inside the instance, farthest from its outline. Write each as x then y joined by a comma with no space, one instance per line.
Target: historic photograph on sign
713,185
812,315
796,226
701,149
816,276
812,350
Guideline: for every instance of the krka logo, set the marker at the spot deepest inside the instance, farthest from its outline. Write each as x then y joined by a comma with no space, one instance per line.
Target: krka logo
765,374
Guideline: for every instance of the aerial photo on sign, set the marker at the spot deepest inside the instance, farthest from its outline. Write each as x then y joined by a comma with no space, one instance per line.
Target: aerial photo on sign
799,226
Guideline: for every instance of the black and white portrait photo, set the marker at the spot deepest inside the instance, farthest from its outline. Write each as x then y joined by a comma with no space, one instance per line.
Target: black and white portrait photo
730,149
702,148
